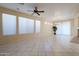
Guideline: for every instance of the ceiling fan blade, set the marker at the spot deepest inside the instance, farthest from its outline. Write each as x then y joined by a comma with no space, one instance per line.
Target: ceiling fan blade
38,13
41,11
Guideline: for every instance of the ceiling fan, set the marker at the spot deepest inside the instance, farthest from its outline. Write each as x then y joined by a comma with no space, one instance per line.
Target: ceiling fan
34,11
37,11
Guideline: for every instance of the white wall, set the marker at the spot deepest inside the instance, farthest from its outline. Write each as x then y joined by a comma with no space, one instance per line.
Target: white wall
46,27
37,26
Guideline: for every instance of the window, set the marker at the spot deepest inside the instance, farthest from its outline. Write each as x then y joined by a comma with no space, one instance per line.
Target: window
26,25
9,24
37,26
64,28
22,25
30,26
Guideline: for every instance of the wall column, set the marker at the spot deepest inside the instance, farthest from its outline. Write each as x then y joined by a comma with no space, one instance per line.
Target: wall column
1,24
17,25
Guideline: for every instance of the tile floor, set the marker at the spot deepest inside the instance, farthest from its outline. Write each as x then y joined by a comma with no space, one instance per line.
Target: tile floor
40,45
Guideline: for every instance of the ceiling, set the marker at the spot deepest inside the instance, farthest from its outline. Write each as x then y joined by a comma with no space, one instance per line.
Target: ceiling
53,11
